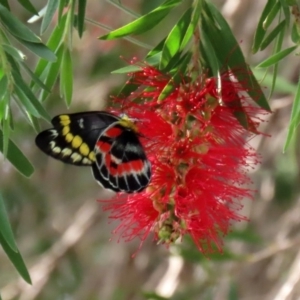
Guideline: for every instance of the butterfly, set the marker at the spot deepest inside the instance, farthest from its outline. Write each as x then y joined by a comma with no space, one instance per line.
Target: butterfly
109,144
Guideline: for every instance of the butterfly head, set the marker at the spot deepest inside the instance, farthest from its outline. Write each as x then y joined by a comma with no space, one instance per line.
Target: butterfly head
128,123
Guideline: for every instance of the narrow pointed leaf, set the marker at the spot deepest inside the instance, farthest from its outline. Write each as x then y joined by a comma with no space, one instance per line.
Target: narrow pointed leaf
271,16
53,43
5,228
143,23
3,88
66,77
51,73
295,118
174,39
157,49
278,46
193,24
260,31
33,100
14,52
16,27
50,11
210,55
5,3
25,101
5,129
231,53
35,78
273,34
17,158
81,15
16,259
28,6
276,57
40,50
295,35
62,4
176,78
152,61
286,10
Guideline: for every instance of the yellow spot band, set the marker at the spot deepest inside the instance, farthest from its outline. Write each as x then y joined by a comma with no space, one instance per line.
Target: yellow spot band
77,141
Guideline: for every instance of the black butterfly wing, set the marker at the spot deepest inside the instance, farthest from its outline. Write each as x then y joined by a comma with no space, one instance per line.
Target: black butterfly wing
121,162
73,136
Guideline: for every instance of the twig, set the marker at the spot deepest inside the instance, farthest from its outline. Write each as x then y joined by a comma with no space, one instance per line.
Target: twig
272,250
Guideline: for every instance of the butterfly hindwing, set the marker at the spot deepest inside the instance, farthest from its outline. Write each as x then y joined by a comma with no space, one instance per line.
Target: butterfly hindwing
121,160
73,138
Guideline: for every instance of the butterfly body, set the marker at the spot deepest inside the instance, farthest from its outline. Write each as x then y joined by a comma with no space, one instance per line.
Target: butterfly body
106,142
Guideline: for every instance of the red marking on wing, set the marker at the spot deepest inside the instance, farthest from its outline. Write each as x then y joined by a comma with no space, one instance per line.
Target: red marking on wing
113,132
130,167
103,146
111,166
137,165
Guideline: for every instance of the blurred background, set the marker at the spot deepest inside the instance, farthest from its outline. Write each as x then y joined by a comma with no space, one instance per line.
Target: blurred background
65,238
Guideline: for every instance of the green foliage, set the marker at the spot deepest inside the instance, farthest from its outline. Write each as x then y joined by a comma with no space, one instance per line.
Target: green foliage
8,243
200,30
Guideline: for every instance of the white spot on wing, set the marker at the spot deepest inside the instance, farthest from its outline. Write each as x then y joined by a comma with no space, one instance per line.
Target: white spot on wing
80,123
76,157
66,152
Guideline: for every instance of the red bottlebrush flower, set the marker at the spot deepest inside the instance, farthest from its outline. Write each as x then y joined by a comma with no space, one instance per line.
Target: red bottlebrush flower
199,155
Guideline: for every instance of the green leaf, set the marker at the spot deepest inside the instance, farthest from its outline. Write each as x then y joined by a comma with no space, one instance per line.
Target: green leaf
233,292
81,15
176,78
3,91
26,103
16,259
22,86
40,50
295,35
193,24
14,52
35,78
66,77
157,49
278,46
17,158
174,39
28,6
128,88
273,34
295,118
53,43
61,6
5,3
276,57
210,55
143,23
50,11
282,85
5,228
16,27
271,16
5,127
221,37
260,31
286,10
152,61
51,73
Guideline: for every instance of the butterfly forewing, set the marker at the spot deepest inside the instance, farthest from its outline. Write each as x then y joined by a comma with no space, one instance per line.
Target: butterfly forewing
73,138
